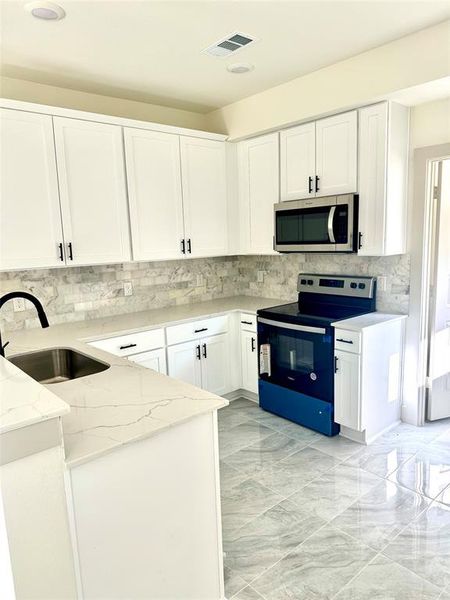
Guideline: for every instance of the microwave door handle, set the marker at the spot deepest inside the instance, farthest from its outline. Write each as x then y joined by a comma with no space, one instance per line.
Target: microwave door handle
330,225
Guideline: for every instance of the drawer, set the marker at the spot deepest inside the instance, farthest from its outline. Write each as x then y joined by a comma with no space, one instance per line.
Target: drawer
132,343
350,341
193,330
247,322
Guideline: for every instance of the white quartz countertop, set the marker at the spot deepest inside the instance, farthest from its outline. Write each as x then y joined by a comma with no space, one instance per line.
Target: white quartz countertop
124,403
368,320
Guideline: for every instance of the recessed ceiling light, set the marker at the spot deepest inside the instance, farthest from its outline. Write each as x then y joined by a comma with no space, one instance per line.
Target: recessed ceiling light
45,10
240,68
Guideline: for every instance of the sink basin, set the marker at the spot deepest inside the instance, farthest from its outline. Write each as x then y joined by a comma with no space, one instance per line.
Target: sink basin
55,365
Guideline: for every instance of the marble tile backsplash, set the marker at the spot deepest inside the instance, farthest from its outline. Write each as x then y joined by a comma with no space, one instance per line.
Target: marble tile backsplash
78,293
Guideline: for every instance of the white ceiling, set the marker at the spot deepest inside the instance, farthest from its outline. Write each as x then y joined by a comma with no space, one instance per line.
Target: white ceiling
151,50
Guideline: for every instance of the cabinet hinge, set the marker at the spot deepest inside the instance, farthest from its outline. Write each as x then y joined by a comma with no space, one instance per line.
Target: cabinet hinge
428,383
435,192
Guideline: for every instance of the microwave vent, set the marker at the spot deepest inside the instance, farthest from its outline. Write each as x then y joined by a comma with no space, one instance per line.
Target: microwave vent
229,45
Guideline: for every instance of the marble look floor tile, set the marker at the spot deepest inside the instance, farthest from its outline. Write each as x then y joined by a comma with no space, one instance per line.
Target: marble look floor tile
228,418
244,502
248,593
378,516
428,472
317,569
444,497
292,473
335,490
384,579
382,458
415,435
445,436
445,595
337,446
289,428
233,582
248,408
266,451
240,436
424,546
263,541
229,477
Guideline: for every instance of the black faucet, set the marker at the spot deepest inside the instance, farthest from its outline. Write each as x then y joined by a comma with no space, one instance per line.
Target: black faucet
37,304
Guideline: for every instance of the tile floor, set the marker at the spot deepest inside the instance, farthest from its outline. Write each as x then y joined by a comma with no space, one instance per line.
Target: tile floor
306,517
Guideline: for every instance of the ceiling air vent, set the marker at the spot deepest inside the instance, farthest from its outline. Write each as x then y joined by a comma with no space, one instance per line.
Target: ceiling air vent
229,45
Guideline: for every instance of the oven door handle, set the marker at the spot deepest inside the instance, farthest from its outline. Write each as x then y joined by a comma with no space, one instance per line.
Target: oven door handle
305,328
330,225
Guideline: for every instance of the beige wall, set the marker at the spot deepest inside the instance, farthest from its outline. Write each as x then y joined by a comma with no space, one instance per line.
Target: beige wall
28,91
408,62
430,124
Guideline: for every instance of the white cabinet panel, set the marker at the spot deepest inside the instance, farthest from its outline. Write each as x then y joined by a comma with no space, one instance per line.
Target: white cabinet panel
249,361
336,154
154,186
258,172
92,191
203,170
30,219
216,364
131,343
347,397
154,359
184,362
297,162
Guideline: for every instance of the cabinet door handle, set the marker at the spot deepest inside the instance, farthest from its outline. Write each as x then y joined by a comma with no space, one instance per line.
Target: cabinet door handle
183,247
197,352
61,252
127,346
335,364
253,344
247,322
69,246
205,354
345,341
310,185
200,330
317,183
360,235
189,247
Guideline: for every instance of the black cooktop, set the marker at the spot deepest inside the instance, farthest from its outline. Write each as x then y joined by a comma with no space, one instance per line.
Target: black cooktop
291,313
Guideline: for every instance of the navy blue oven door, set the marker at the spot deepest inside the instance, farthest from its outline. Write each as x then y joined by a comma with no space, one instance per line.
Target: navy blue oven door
297,357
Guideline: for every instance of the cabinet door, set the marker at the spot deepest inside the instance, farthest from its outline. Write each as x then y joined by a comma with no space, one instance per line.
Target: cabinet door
258,171
203,171
297,162
30,218
216,364
347,397
336,154
153,359
154,190
249,361
183,361
372,178
92,189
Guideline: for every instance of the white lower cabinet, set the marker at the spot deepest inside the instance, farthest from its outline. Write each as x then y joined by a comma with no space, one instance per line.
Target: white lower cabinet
347,390
249,361
184,362
154,359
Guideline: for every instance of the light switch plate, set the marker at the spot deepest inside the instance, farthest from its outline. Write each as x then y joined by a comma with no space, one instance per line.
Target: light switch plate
127,288
18,304
260,277
199,280
382,283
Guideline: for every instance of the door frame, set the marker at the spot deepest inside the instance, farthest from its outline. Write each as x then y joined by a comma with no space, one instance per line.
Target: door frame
420,248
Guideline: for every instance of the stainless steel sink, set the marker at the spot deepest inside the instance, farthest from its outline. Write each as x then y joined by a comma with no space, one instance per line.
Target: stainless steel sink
55,365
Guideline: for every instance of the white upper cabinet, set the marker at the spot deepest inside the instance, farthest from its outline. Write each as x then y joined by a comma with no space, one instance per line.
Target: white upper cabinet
30,219
203,171
336,154
154,189
258,170
298,162
93,197
383,170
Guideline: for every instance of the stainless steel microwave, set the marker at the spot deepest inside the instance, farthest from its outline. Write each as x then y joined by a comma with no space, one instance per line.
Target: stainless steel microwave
326,224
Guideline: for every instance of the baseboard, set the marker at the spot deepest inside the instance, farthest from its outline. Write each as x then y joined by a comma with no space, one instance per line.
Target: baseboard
361,436
240,393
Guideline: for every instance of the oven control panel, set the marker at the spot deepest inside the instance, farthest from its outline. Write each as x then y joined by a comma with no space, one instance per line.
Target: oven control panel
347,285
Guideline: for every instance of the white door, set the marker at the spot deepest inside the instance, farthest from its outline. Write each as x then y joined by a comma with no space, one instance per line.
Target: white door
347,397
298,162
336,154
30,218
94,207
184,362
154,190
258,172
216,364
203,171
249,361
153,359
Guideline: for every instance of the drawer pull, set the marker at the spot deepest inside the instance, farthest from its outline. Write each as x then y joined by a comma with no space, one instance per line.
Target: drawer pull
345,341
127,346
200,330
247,322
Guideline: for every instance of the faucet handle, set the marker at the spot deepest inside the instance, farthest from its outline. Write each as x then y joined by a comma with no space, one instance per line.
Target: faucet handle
2,353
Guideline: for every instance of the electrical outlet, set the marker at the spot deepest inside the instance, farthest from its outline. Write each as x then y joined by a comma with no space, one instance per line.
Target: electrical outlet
260,277
19,304
199,280
127,288
382,283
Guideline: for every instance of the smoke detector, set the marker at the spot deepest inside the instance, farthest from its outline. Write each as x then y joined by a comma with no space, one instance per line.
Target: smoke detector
240,68
229,44
48,11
